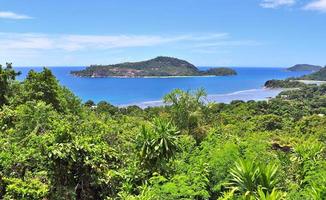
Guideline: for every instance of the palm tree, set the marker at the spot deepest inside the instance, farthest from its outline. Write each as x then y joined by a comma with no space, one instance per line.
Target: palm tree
187,109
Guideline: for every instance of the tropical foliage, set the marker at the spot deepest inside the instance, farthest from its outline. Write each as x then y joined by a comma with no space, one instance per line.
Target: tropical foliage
53,146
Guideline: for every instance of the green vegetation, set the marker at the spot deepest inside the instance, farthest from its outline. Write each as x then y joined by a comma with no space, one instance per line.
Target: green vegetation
221,71
294,83
55,147
160,66
304,67
288,83
317,76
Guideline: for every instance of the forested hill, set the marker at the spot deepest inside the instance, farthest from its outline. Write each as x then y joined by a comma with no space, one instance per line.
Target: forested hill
160,66
319,75
304,67
55,147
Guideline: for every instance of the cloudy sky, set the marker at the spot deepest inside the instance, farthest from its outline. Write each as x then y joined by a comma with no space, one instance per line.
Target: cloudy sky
262,33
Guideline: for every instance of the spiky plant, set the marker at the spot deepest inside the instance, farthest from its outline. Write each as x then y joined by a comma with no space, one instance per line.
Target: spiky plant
249,178
268,177
165,144
159,144
273,195
245,177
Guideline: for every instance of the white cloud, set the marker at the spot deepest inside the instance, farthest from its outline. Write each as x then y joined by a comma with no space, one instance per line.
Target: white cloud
276,3
318,5
73,49
28,41
230,43
12,15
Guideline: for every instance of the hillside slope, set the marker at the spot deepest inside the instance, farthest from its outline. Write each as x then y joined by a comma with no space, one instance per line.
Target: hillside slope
318,76
304,67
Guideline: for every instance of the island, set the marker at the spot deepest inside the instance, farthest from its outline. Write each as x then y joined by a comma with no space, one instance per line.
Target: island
219,71
304,67
158,67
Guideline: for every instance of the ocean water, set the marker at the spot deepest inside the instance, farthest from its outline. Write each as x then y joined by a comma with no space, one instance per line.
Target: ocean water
247,85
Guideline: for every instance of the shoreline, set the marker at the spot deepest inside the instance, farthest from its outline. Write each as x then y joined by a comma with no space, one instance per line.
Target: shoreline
260,94
139,77
312,82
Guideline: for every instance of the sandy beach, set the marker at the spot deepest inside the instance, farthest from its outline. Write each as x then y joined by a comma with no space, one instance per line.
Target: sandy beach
245,95
312,82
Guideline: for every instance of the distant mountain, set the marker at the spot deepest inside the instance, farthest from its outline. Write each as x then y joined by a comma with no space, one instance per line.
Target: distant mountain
159,66
317,76
304,67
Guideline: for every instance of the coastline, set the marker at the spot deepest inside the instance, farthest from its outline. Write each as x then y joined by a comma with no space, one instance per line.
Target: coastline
125,77
121,91
261,94
312,82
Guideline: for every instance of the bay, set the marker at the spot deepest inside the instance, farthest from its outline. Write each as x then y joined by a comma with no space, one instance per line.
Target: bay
247,85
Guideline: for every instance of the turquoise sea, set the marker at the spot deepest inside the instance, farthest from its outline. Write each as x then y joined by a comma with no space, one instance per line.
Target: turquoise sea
247,85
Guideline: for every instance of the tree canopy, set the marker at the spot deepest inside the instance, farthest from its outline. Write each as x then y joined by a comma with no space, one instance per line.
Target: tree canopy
53,146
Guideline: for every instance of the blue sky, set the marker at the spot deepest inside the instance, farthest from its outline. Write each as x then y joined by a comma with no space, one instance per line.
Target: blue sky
260,33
